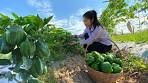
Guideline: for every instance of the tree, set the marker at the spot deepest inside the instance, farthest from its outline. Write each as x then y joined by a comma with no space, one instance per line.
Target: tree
118,11
144,5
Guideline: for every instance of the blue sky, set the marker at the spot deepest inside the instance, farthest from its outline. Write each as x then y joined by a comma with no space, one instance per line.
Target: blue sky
65,8
61,8
21,7
67,13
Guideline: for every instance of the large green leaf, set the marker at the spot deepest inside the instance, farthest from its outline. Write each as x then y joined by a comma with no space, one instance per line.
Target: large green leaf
15,15
14,31
5,20
14,35
46,20
35,20
27,63
16,56
5,48
5,62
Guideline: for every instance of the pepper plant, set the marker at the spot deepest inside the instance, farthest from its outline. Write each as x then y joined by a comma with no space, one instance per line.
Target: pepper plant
24,40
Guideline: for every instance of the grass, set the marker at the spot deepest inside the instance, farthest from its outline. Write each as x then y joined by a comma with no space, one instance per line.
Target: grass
138,37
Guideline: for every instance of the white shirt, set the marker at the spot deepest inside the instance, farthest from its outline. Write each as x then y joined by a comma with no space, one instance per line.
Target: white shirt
98,34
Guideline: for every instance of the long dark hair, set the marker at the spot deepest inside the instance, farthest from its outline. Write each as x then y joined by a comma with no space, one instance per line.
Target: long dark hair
92,15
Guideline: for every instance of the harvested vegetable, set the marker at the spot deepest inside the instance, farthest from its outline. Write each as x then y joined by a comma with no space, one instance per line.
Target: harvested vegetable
107,63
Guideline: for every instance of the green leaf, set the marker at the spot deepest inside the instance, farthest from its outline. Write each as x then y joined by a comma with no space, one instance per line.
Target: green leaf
2,15
15,15
139,64
16,56
2,30
5,20
46,20
27,63
34,29
34,20
5,62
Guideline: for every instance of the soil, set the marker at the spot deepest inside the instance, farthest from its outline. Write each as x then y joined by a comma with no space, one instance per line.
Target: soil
71,70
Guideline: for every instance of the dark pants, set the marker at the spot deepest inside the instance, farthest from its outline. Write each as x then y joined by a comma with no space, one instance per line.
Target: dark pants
96,46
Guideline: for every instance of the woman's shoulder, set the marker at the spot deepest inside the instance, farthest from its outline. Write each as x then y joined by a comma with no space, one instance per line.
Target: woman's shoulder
99,28
86,29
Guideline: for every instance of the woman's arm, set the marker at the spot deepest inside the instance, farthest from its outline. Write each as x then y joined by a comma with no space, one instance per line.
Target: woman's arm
81,35
95,35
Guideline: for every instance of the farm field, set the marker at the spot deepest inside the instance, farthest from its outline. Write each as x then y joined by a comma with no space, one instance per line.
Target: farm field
138,37
40,44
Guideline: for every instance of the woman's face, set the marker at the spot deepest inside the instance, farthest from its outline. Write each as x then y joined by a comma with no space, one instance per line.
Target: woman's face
87,22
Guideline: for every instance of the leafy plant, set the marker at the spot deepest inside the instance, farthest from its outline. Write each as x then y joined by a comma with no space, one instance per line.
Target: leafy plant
144,5
49,77
29,39
133,63
25,39
118,11
58,42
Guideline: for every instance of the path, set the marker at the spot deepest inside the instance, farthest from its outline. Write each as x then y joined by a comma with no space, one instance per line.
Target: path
70,70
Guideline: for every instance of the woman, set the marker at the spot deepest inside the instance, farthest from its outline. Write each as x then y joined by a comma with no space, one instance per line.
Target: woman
95,36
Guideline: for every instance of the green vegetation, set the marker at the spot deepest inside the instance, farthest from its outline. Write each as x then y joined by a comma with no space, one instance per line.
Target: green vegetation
58,42
118,11
116,68
30,43
134,63
24,43
48,77
112,64
138,37
106,67
144,5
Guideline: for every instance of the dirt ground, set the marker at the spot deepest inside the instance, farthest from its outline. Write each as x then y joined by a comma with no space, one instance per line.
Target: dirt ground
71,70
